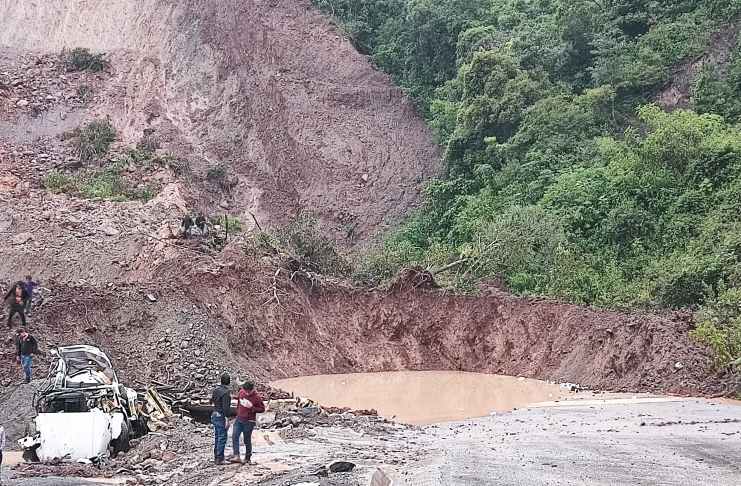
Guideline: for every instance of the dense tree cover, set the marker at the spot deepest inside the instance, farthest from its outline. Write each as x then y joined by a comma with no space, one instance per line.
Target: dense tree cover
563,177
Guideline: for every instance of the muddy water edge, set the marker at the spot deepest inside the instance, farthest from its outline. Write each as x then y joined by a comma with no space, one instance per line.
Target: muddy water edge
424,397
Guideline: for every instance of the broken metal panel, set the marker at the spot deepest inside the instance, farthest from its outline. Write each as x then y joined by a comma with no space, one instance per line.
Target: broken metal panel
81,365
76,436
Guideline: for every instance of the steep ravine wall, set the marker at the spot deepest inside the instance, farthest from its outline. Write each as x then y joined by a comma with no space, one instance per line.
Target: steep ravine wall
335,329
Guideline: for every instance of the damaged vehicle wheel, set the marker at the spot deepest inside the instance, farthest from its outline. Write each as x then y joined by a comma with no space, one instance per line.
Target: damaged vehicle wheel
123,443
29,455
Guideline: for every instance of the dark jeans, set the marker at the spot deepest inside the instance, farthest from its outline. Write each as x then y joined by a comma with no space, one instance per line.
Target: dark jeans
27,363
27,305
16,309
242,428
219,423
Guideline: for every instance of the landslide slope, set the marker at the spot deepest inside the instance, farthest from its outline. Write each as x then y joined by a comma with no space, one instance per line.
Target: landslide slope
268,90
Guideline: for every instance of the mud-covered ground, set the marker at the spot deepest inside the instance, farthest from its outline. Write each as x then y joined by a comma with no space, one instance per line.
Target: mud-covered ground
619,440
669,443
296,116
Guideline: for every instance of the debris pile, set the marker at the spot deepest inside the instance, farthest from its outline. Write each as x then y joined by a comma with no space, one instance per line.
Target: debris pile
179,445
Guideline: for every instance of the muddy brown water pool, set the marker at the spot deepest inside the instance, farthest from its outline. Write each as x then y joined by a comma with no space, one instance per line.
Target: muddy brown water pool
424,397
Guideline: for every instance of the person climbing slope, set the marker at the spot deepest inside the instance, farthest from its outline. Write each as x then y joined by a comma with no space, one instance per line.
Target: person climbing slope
16,299
30,287
26,347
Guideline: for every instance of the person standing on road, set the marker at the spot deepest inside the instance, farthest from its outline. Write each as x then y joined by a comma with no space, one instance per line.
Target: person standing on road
221,398
30,287
2,448
26,346
249,404
16,298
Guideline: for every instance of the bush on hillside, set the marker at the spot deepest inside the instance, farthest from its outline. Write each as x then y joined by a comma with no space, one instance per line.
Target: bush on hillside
304,242
93,140
101,183
720,327
82,59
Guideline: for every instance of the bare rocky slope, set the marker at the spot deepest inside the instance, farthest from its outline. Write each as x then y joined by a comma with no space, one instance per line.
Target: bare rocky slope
268,89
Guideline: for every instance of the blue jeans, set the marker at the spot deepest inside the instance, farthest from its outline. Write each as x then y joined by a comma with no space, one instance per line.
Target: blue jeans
26,363
219,423
242,428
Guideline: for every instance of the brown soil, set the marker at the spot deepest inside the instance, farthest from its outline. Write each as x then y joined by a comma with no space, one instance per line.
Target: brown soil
268,89
677,93
204,322
333,328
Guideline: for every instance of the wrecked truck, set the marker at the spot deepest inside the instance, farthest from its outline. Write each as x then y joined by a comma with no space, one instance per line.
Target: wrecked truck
83,412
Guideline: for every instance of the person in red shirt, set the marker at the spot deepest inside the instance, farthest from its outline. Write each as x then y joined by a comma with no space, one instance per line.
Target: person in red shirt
249,404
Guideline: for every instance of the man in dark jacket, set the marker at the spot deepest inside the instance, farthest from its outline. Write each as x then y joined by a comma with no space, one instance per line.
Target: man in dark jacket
221,398
249,404
26,346
16,299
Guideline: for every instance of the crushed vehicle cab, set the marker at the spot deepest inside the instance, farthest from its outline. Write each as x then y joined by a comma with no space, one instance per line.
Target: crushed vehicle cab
83,412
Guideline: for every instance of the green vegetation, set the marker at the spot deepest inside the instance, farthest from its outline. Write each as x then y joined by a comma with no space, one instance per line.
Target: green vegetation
81,59
305,245
563,177
93,140
107,184
85,92
232,224
720,327
216,173
149,144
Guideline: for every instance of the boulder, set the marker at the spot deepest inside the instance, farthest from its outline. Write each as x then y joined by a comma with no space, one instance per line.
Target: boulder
341,466
109,229
22,238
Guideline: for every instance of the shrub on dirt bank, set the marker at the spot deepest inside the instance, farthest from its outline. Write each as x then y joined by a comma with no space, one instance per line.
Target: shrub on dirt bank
92,141
107,184
720,328
85,92
232,224
59,182
305,246
82,59
380,264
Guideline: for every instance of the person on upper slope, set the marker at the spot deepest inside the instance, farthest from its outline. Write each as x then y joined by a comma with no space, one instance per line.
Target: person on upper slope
30,287
16,299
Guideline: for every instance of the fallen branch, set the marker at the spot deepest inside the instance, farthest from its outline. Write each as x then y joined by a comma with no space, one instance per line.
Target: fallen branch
255,220
449,266
274,289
